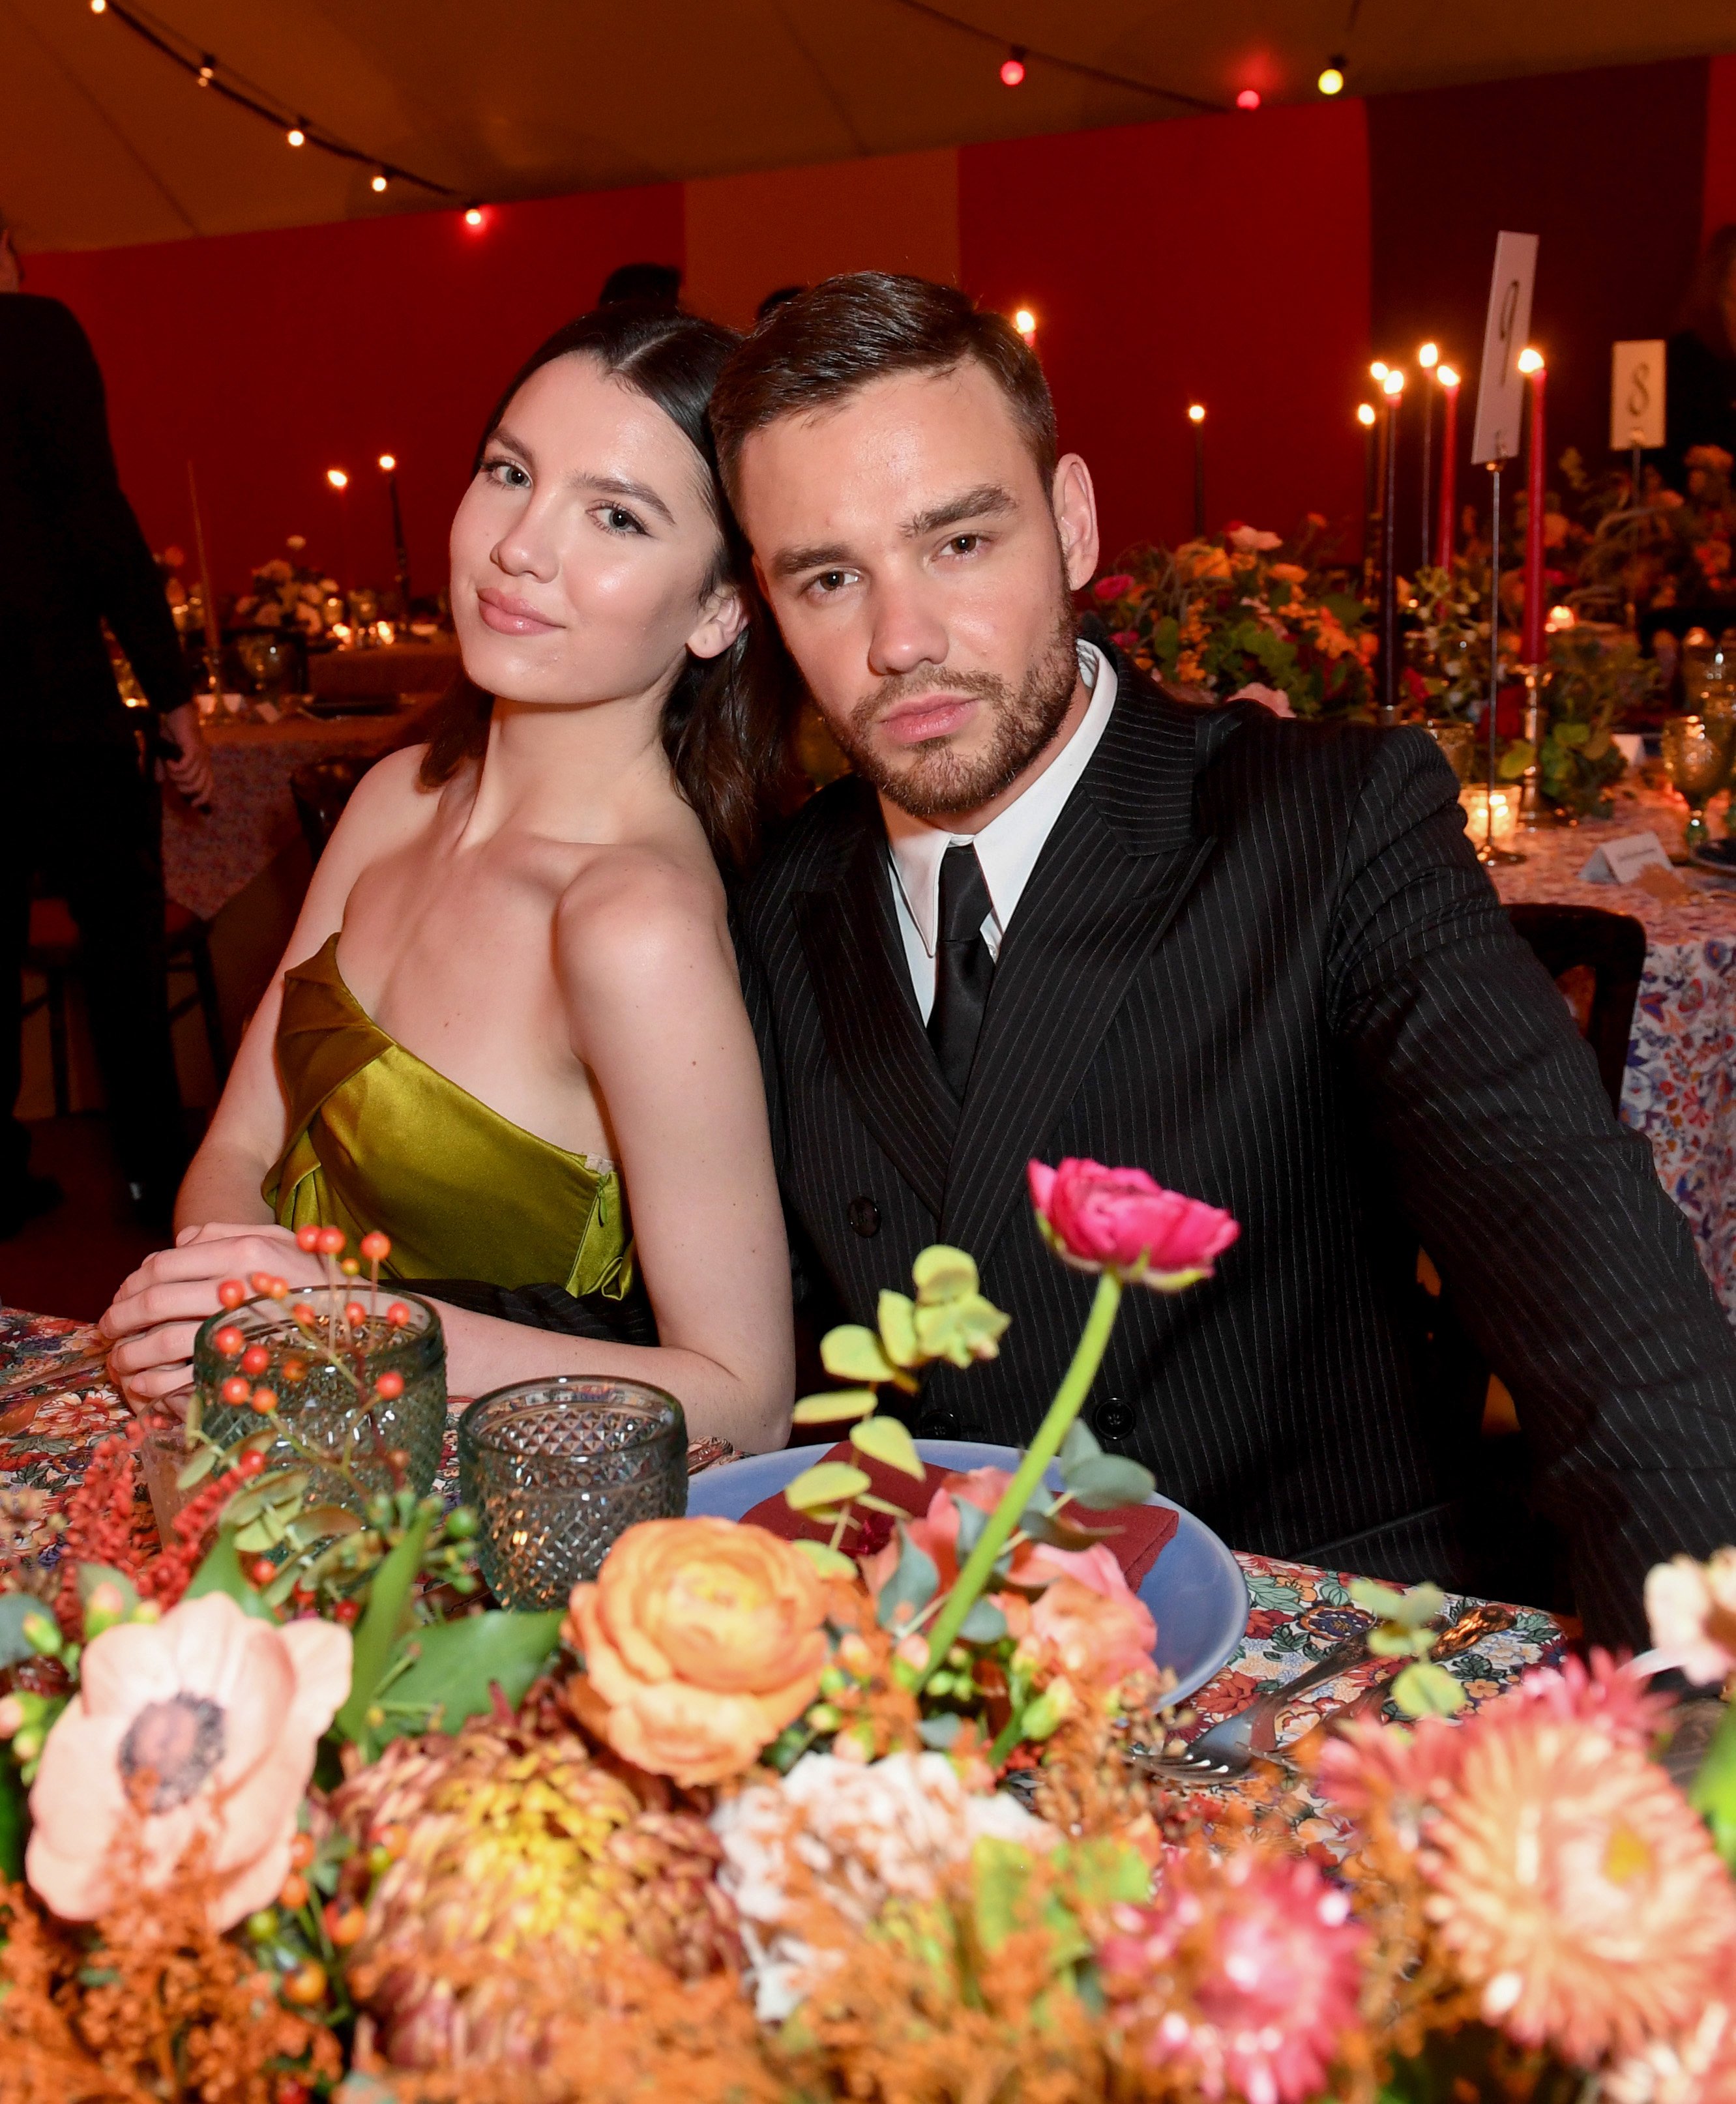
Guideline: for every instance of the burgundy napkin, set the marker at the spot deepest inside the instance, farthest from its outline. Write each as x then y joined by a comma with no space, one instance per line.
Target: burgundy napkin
1140,1534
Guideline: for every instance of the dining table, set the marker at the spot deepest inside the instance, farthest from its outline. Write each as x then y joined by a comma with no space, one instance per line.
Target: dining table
62,1407
1679,1086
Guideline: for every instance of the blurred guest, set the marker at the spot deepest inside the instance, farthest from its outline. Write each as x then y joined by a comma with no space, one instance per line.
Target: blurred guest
1700,373
656,284
780,298
84,814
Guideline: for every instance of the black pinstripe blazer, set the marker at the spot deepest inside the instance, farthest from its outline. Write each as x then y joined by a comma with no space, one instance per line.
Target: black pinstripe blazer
1258,959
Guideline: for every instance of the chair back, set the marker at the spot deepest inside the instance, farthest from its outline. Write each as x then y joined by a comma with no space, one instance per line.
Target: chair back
1597,959
321,788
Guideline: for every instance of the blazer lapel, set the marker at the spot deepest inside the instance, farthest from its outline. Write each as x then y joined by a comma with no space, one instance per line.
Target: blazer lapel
873,1028
1123,855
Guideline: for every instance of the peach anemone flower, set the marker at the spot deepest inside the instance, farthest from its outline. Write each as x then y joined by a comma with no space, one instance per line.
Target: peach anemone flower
201,1726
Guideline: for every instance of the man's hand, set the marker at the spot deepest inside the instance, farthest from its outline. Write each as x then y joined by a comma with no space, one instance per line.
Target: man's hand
192,773
156,1314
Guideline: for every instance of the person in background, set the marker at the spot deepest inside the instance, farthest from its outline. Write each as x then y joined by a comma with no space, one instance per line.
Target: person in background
779,297
655,284
1700,369
83,814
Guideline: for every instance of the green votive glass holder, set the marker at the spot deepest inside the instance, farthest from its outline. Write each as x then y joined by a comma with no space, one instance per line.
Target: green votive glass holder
323,1370
557,1470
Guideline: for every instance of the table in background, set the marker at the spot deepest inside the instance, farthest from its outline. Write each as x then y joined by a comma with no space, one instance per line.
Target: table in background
208,856
1296,1611
1680,1089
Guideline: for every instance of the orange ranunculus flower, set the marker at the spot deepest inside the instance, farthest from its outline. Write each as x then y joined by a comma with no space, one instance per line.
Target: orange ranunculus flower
1095,1639
701,1639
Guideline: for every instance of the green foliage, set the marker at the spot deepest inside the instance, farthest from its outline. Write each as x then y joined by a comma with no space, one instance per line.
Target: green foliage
826,1484
16,1610
1713,1792
222,1572
1591,685
1100,1481
912,1585
388,1609
451,1666
884,1439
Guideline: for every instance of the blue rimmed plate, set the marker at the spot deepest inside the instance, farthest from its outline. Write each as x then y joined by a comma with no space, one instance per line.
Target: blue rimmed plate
1194,1590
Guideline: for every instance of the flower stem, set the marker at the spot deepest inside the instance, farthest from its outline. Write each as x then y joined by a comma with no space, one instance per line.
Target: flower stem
1069,1399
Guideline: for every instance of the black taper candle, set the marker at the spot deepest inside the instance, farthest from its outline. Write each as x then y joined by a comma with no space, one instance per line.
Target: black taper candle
1390,562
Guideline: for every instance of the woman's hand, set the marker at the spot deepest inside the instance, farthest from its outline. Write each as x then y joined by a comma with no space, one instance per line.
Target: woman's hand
156,1314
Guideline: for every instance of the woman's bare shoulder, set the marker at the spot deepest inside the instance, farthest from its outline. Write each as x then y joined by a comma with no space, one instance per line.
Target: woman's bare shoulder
636,911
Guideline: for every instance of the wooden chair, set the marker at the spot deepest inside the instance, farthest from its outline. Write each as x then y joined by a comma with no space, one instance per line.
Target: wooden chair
54,952
1597,959
321,788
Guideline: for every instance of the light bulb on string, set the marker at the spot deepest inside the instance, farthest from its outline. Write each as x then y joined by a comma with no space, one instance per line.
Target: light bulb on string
473,216
1331,76
378,183
1012,68
1429,357
1365,415
99,6
208,72
295,135
1248,99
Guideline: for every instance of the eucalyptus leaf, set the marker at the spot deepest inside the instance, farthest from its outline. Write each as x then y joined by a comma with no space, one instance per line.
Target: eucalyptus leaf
972,1520
826,1483
457,1663
829,1563
939,1733
962,1330
1409,1609
1080,1445
884,1439
1424,1690
881,1506
912,1585
834,1405
852,1353
16,1610
91,1575
222,1572
943,1273
984,1624
897,1316
197,1469
1110,1479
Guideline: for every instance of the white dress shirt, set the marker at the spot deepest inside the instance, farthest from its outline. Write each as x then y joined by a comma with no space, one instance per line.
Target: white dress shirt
1007,848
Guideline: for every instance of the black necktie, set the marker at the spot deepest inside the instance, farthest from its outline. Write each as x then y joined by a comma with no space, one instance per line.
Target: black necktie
962,965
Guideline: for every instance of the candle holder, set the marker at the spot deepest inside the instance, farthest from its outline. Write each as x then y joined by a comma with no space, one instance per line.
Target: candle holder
355,1387
1532,811
1697,752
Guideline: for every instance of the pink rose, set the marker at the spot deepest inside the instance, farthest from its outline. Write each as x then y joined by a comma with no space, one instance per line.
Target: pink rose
1093,1640
1096,1220
1126,638
1113,587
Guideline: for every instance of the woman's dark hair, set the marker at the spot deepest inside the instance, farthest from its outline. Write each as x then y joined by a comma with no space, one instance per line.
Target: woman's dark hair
726,721
1703,312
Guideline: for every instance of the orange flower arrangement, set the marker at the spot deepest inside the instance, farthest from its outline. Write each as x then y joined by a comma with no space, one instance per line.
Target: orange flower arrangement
701,1639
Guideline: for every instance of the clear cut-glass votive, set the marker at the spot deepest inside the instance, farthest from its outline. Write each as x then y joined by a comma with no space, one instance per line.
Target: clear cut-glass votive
324,1373
557,1469
163,1452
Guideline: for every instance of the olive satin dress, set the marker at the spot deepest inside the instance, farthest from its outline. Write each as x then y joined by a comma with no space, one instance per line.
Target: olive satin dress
379,1139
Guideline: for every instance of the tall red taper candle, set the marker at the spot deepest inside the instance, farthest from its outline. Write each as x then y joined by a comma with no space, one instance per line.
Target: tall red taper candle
1531,649
1446,533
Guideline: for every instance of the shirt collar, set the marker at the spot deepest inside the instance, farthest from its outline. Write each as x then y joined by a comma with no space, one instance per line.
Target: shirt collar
1008,846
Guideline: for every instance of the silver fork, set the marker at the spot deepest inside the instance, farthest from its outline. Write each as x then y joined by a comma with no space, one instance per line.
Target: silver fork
1228,1750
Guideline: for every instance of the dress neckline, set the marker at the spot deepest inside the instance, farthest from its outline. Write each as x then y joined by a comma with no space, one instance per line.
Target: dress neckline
592,1165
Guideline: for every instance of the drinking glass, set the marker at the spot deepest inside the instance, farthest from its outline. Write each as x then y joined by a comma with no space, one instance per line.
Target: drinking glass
164,1453
1458,741
555,1470
1697,754
323,1371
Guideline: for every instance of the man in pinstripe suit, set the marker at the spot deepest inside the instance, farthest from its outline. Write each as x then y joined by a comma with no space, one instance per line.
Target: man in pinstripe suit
1057,910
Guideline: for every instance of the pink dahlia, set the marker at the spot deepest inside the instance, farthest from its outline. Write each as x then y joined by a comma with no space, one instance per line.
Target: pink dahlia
1574,1886
1609,1693
1245,1971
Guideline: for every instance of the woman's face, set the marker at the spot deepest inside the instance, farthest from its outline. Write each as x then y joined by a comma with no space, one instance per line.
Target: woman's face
584,550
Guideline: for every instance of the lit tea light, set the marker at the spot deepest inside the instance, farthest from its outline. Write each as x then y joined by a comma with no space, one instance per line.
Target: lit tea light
1559,617
1476,799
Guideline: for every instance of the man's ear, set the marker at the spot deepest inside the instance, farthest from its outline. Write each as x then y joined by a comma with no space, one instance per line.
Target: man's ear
721,619
1075,503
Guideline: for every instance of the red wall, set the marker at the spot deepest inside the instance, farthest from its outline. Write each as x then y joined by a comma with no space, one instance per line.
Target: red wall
1220,260
266,359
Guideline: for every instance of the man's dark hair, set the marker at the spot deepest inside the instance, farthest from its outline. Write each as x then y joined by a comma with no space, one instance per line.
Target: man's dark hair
779,296
820,347
655,283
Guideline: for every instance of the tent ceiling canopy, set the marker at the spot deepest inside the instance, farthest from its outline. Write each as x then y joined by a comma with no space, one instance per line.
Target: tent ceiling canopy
106,140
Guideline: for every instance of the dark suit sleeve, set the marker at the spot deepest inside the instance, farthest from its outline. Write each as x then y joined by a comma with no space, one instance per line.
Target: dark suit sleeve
1569,1264
73,423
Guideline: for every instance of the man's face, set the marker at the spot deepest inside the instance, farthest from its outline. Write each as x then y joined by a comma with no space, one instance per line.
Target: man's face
921,573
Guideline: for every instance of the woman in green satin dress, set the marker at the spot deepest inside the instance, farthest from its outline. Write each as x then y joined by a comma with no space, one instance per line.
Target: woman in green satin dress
510,1011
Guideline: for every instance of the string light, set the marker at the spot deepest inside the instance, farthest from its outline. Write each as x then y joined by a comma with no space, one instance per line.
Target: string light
1331,76
337,479
1365,415
1196,412
1429,357
1530,360
295,135
1248,99
388,462
99,6
1012,68
378,183
473,216
208,73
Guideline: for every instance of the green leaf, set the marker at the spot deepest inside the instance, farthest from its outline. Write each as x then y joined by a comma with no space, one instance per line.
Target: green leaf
1102,1871
376,1632
458,1662
852,1353
1516,760
91,1575
943,1273
884,1439
16,1610
885,1505
1000,1886
961,1330
826,1483
897,1316
912,1585
835,1406
938,1733
1410,1609
1424,1690
15,1820
984,1624
222,1572
829,1563
972,1520
198,1468
1110,1479
1080,1445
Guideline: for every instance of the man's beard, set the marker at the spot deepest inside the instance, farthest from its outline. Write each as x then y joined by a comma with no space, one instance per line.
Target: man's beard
938,782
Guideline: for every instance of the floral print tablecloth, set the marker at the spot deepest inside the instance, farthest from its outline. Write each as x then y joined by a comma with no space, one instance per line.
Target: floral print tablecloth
1681,1091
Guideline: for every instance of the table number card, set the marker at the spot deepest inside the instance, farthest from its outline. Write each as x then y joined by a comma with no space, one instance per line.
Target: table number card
1620,861
1637,395
1501,387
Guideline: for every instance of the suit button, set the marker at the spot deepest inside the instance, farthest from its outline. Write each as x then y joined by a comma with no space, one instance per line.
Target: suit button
865,1216
1112,1419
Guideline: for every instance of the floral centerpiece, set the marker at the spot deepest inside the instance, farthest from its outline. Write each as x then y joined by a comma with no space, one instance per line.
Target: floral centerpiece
1247,614
867,1814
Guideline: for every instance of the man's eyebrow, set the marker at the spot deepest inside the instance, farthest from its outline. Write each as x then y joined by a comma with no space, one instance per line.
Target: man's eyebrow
987,500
